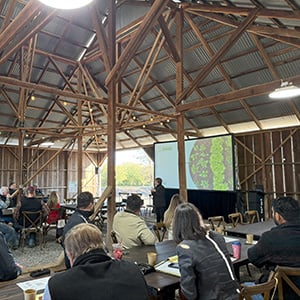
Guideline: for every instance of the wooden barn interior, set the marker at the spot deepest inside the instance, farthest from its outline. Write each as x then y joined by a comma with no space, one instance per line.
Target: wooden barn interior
78,85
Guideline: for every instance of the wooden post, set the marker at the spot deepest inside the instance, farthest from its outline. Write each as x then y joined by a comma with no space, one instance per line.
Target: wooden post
21,158
111,124
180,118
79,141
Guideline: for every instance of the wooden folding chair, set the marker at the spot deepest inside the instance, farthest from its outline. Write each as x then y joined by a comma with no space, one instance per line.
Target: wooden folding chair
235,218
32,223
113,236
284,275
160,230
217,221
252,216
265,289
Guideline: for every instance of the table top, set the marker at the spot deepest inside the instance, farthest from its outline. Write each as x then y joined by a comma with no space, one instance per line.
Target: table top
157,280
257,229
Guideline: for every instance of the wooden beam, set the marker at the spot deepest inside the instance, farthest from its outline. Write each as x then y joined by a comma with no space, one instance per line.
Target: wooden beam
216,58
101,38
148,22
111,137
242,11
168,36
248,92
180,118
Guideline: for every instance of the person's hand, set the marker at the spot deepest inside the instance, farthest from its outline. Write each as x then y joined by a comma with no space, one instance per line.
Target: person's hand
153,190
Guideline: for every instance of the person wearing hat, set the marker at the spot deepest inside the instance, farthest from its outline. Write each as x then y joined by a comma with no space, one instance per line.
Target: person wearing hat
30,203
129,227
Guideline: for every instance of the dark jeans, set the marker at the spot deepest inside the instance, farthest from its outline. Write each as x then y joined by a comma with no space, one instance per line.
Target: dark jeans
159,214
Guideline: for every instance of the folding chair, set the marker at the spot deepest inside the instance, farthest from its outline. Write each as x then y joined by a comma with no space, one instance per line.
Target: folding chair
32,223
284,275
252,216
113,236
235,218
160,230
216,222
265,289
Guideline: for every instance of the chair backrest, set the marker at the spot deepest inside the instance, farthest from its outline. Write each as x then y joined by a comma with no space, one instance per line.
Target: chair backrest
113,236
284,275
216,221
252,216
32,219
265,289
235,218
160,230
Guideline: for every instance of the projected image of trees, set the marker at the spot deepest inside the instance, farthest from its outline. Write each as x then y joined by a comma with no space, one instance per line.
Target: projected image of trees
210,164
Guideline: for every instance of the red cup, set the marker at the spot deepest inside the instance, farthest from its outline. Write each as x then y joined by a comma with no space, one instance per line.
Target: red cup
236,248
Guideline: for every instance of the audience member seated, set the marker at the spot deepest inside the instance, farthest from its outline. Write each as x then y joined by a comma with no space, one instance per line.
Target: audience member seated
38,192
32,204
5,203
204,262
280,245
85,208
94,275
12,190
129,227
169,213
9,269
10,235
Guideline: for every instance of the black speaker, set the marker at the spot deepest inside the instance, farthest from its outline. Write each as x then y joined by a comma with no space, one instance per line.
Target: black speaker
256,202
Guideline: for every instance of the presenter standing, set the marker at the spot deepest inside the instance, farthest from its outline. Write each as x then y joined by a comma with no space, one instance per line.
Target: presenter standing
159,199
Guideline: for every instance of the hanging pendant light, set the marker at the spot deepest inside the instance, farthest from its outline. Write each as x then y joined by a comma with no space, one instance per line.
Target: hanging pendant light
66,4
286,90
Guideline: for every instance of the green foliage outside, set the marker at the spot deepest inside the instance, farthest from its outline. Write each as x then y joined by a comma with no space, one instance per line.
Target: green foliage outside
130,174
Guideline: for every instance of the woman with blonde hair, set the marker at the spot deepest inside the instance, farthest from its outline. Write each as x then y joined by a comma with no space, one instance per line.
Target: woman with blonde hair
54,206
169,213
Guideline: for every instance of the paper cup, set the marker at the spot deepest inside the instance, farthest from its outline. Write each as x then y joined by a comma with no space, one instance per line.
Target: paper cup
29,294
151,258
249,238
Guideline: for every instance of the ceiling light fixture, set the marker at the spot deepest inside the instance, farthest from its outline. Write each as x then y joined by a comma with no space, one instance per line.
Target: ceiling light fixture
66,4
286,90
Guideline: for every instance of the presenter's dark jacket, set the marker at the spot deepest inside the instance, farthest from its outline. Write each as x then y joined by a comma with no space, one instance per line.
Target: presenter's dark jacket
96,276
278,246
159,199
8,268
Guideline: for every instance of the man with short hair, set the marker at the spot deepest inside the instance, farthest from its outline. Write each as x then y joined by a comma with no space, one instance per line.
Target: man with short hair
129,227
280,245
94,275
85,208
159,199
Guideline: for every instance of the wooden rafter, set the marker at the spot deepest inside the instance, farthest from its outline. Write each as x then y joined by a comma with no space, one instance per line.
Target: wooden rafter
216,58
148,22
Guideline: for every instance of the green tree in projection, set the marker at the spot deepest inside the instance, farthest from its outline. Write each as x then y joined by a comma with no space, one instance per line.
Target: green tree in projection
217,164
228,162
